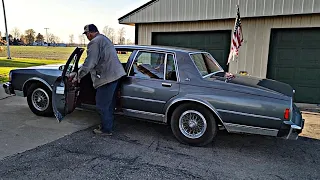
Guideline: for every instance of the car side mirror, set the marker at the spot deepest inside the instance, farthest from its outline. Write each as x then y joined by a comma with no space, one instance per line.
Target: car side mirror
61,67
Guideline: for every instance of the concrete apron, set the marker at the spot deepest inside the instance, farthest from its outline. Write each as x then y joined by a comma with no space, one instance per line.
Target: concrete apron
309,108
21,130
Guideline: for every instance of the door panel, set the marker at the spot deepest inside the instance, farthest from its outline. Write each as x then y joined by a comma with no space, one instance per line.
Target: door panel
65,92
149,86
147,95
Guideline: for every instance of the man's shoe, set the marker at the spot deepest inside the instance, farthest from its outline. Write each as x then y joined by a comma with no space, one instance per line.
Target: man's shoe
98,131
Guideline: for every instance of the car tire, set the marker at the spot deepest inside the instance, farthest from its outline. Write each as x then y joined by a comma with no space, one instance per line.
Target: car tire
39,99
202,122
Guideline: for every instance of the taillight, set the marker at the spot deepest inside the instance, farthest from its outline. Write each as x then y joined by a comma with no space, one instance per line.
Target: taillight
287,114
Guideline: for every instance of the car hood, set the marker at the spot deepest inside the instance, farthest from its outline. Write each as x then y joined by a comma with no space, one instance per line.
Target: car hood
51,66
257,85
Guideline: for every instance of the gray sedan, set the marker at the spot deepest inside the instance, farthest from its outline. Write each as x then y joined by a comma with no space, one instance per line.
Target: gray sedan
184,88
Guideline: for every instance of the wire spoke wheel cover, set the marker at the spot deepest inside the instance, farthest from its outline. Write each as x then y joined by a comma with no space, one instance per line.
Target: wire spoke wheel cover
40,99
192,124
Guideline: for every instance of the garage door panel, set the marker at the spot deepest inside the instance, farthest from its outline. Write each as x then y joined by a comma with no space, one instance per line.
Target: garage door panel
285,73
308,74
310,94
311,35
286,55
218,53
289,36
294,59
216,43
310,57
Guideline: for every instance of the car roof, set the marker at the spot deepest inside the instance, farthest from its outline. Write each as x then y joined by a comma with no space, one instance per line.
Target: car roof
159,48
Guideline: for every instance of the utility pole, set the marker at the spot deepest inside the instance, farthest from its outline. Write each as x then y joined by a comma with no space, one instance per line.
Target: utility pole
47,34
5,22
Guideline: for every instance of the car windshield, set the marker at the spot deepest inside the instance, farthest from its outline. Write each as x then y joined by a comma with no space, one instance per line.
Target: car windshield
206,64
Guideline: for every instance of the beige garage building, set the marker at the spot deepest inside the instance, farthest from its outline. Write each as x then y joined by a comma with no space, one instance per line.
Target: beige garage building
282,37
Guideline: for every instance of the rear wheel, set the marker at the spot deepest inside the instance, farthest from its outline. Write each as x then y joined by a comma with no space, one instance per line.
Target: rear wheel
39,100
193,124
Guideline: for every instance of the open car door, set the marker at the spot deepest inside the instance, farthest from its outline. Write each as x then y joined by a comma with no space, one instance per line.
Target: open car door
65,93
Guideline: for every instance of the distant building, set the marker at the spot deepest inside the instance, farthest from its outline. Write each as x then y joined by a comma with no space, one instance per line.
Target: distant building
38,44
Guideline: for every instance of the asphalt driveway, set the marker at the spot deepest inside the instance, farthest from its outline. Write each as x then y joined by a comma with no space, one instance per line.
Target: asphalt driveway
140,150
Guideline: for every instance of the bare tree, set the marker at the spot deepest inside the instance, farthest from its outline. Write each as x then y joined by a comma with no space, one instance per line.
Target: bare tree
57,39
53,39
128,41
71,38
82,39
16,33
109,32
106,30
112,35
121,34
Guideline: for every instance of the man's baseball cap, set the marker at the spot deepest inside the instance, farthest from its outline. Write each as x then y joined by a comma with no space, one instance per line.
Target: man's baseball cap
90,28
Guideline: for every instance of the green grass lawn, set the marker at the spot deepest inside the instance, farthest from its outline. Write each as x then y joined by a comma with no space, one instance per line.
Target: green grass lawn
8,64
38,52
26,56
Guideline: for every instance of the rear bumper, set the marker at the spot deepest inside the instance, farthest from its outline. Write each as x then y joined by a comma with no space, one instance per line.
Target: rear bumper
8,88
295,130
291,129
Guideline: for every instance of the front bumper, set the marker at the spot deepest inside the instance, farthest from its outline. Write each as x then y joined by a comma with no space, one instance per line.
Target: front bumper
8,88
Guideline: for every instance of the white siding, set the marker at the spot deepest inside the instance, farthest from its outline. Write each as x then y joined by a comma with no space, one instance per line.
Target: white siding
193,10
253,55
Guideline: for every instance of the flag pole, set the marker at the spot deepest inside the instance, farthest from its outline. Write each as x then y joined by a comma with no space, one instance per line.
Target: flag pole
7,38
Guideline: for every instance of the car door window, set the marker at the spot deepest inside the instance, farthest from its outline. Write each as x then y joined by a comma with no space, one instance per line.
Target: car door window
171,68
149,65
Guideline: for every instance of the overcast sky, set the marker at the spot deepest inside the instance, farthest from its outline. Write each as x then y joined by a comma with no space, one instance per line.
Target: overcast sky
65,17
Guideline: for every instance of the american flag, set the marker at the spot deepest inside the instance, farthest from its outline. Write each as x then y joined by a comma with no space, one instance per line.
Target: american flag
237,37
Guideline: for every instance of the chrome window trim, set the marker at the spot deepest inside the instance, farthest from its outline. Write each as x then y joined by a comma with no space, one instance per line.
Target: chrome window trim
155,51
176,65
175,62
143,99
211,74
214,60
247,114
165,66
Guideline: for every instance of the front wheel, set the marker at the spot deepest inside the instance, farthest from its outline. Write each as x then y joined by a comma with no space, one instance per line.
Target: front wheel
39,100
193,124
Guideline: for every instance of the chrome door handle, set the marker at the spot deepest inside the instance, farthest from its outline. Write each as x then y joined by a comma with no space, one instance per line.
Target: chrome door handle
166,84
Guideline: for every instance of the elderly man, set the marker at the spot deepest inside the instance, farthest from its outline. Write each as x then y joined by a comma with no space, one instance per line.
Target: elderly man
103,64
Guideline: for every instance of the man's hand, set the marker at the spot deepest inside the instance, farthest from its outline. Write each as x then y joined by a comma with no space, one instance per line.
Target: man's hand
74,77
